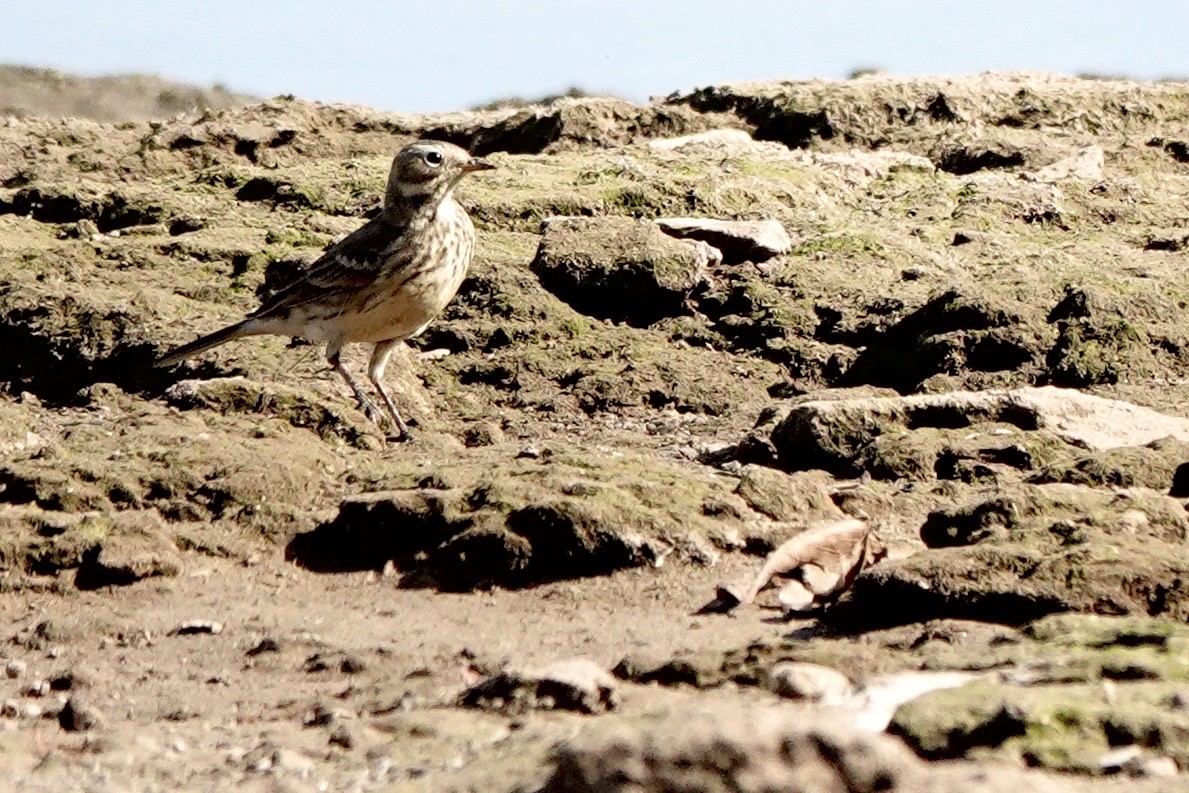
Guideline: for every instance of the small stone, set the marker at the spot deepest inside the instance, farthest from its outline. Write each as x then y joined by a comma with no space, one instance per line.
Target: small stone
717,138
1117,759
342,737
809,681
265,645
1085,164
529,452
577,684
343,662
484,433
77,716
1132,760
191,627
1156,766
738,240
15,668
318,716
69,680
726,600
290,761
35,688
11,709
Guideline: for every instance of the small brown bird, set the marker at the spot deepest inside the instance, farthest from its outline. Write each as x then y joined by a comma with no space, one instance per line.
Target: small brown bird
382,284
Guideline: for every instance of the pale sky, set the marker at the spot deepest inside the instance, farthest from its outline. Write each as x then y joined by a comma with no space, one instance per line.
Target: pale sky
431,56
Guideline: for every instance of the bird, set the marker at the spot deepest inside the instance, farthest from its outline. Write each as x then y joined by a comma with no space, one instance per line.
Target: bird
384,283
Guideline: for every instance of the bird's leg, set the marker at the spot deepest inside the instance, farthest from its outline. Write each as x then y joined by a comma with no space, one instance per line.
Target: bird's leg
366,405
375,373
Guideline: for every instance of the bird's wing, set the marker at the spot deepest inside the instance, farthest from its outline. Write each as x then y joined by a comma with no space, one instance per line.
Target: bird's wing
351,264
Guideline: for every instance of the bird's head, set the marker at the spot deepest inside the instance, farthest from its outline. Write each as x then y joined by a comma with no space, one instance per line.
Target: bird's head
427,170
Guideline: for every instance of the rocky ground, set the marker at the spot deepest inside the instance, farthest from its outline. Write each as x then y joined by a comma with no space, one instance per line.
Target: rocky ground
966,327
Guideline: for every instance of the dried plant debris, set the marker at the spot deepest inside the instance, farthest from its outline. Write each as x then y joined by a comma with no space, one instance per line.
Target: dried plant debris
812,569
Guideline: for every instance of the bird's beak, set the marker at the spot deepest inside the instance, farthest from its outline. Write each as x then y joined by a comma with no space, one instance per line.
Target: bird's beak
477,164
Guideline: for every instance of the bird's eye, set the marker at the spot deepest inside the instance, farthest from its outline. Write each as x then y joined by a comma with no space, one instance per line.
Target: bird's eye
434,158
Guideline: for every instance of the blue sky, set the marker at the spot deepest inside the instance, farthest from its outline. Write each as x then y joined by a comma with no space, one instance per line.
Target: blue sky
430,56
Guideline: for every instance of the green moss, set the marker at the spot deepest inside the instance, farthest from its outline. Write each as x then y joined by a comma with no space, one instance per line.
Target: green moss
295,237
1059,727
841,243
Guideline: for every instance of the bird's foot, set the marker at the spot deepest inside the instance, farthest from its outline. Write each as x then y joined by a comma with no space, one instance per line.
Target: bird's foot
370,410
402,433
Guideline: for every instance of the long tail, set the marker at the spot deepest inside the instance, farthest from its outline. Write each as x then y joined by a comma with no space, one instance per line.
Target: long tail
203,343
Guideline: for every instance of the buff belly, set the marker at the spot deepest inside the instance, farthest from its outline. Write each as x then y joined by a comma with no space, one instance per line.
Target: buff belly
381,314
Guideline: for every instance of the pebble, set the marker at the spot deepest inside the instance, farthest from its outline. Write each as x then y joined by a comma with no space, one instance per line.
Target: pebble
35,688
811,682
191,627
713,137
318,715
265,645
342,737
78,716
15,668
1157,766
1132,760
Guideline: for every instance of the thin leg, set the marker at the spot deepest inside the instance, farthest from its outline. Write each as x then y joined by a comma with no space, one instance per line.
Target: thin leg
375,373
333,355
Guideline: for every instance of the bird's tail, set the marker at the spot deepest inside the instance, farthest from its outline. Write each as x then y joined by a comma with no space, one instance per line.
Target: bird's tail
203,343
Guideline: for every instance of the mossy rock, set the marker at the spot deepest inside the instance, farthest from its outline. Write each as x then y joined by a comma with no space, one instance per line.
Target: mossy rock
494,518
1151,466
1034,551
1065,728
619,269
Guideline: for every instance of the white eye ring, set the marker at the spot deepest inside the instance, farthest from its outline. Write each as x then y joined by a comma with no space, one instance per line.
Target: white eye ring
433,158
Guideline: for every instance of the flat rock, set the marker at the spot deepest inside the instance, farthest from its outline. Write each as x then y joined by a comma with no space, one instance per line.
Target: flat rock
1086,164
1015,554
576,684
800,498
739,240
871,164
768,749
724,748
499,518
841,435
713,138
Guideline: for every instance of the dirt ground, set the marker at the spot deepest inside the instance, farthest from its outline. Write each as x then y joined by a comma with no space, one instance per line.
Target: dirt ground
221,576
197,712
